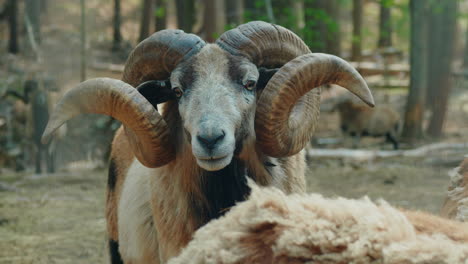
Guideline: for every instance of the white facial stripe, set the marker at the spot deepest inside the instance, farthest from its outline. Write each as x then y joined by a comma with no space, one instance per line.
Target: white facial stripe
216,105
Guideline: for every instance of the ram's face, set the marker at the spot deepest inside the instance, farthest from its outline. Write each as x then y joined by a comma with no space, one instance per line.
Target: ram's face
217,100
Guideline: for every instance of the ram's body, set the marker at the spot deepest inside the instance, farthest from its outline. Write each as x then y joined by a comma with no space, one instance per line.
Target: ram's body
225,118
359,120
271,227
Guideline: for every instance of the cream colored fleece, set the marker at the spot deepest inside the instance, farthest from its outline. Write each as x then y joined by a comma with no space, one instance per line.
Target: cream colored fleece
271,227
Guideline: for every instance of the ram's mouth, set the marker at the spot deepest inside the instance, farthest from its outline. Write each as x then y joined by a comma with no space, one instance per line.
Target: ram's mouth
214,163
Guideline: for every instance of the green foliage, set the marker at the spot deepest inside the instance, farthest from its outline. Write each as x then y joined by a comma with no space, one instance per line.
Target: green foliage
388,3
160,12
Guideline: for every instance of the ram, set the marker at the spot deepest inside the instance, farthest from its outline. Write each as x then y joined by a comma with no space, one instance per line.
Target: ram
272,227
358,120
243,106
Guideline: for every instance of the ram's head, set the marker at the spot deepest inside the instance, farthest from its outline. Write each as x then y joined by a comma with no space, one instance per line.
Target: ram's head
255,83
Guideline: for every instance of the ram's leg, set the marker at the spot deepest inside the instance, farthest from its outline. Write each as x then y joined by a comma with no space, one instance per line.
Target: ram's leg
356,139
38,158
114,254
50,157
390,137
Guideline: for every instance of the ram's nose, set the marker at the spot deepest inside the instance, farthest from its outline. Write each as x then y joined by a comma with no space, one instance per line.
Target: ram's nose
209,140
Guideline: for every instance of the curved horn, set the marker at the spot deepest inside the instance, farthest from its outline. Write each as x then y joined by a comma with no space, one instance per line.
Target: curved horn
156,56
263,43
283,127
146,130
153,59
289,97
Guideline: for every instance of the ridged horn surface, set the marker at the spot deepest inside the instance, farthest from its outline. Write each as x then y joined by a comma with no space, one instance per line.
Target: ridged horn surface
285,118
146,130
153,59
157,56
263,43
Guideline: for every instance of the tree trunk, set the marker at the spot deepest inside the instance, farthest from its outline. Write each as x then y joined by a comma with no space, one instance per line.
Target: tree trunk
412,129
13,26
254,10
356,51
322,31
315,29
385,26
185,15
269,11
117,39
146,14
299,17
333,39
234,12
465,59
44,6
83,40
214,19
160,15
439,79
33,13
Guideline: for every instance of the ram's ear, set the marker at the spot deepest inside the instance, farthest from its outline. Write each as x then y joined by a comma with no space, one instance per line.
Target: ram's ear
265,76
156,92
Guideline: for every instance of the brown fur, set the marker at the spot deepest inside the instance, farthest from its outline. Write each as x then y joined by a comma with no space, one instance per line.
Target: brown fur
176,190
122,158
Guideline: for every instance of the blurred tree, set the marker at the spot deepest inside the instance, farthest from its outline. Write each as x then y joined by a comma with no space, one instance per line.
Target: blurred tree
269,10
214,19
44,6
186,14
83,40
117,39
10,11
255,10
356,50
443,20
160,12
412,129
234,12
385,24
322,31
146,13
33,16
465,58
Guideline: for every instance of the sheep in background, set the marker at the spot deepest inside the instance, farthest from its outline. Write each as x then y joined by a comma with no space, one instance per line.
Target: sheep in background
271,227
224,119
456,202
358,120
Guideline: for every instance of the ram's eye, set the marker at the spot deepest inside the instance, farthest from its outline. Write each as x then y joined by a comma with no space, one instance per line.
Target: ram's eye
178,92
250,85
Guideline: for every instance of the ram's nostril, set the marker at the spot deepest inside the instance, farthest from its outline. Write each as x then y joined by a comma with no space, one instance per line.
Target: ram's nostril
209,141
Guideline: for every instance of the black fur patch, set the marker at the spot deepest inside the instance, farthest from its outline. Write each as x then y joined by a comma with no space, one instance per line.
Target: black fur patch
114,253
112,176
265,76
156,92
221,190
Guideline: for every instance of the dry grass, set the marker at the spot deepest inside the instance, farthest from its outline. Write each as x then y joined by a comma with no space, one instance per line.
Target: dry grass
53,219
60,218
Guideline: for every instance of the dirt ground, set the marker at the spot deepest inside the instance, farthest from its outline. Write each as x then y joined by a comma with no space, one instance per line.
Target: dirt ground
59,218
